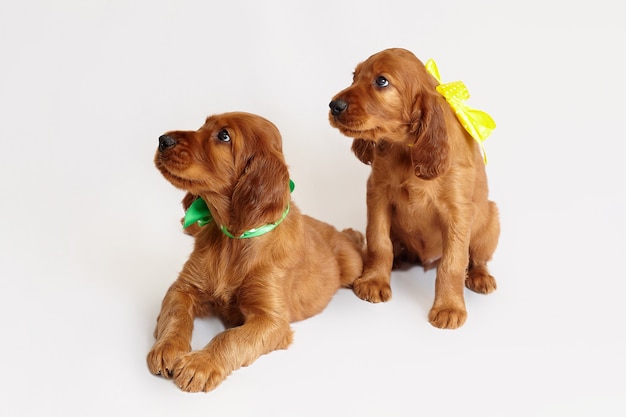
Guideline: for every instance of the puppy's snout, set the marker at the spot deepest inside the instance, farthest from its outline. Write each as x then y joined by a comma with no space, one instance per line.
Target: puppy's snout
337,106
166,142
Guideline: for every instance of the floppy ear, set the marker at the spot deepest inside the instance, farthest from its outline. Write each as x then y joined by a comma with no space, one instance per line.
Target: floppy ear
364,150
187,200
261,193
429,153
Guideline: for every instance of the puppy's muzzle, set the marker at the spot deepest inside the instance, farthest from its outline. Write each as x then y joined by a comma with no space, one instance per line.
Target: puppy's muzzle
166,142
337,106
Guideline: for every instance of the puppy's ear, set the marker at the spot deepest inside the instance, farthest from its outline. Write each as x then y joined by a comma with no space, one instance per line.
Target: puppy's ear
261,193
187,200
429,153
364,150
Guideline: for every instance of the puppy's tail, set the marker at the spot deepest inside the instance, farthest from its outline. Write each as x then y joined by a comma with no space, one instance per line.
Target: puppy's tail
351,256
358,239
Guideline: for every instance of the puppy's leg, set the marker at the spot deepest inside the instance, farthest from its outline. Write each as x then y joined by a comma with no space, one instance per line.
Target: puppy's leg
173,331
374,283
265,329
448,310
482,246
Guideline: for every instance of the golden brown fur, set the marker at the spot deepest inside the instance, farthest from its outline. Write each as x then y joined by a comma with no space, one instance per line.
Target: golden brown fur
256,286
427,194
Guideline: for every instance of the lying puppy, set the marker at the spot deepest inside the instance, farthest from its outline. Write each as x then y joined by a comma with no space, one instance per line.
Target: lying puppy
258,263
427,194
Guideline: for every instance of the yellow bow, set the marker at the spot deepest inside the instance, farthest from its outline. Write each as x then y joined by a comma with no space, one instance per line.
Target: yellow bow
478,123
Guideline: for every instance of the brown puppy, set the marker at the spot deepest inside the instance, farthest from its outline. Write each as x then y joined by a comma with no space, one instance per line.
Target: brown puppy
427,194
255,285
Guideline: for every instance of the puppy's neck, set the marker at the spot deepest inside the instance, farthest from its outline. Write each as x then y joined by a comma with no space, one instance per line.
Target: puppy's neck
248,218
219,207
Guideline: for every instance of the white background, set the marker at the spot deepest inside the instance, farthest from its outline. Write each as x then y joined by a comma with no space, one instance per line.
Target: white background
90,238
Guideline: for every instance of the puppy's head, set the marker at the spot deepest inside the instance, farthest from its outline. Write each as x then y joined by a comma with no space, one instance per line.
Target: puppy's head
393,98
235,163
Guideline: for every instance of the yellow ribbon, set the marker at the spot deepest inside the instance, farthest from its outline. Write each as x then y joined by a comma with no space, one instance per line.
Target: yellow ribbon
478,123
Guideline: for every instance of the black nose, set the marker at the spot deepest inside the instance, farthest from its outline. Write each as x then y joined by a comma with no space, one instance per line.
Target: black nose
337,106
166,142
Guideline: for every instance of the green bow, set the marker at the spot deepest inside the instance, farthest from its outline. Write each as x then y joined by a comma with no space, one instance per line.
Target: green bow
198,212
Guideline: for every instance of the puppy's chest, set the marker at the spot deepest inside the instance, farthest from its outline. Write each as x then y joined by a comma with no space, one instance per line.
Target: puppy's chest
402,188
220,272
405,190
415,221
411,202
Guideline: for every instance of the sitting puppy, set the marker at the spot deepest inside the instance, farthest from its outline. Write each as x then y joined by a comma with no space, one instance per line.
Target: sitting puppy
427,194
258,263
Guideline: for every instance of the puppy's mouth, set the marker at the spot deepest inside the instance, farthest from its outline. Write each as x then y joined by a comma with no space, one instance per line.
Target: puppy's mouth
354,128
173,175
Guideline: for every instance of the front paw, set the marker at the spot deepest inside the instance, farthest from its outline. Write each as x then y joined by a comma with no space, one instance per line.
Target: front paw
373,287
447,317
163,355
198,371
479,280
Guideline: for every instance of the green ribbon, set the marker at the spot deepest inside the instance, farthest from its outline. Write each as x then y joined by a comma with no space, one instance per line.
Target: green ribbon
198,212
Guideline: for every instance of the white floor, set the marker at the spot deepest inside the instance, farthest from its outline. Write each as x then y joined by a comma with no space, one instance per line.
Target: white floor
89,236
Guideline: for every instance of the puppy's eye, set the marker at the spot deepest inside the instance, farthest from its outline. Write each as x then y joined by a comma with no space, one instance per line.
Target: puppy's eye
223,135
382,81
